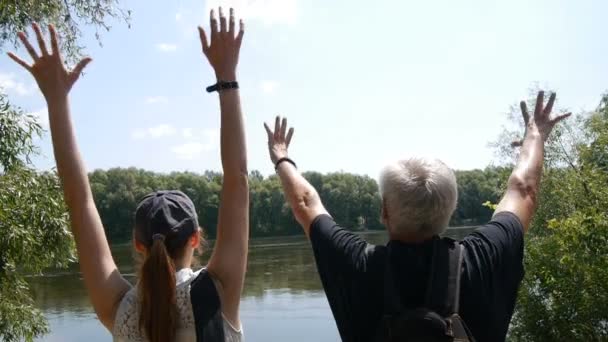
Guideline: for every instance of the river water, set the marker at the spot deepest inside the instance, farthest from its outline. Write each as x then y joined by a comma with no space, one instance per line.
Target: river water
283,298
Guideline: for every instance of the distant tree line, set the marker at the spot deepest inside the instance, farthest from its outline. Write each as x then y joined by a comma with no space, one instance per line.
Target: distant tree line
353,200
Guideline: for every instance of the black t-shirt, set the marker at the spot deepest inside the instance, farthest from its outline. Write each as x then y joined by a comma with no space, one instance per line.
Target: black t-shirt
351,271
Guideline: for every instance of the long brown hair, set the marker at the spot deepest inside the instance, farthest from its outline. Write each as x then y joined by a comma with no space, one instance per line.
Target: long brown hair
158,303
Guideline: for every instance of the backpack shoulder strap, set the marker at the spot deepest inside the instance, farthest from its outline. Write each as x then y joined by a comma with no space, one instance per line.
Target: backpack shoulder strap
391,295
453,296
207,310
443,290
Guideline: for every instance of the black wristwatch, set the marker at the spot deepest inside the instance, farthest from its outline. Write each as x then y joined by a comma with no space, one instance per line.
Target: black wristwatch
223,85
284,159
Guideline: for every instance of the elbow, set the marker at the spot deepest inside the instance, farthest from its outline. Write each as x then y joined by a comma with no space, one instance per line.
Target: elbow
236,169
305,204
527,187
239,178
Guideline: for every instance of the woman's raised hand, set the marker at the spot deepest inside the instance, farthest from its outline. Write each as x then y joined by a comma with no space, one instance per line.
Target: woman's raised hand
223,49
53,78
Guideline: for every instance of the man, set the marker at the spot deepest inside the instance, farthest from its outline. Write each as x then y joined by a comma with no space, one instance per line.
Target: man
418,199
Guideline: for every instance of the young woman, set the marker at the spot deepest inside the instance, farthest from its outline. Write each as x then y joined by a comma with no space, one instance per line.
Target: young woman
170,302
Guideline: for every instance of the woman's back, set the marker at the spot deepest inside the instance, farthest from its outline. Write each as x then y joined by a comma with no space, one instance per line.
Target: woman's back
126,325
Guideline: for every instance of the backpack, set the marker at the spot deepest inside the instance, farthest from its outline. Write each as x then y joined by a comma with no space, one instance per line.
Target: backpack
207,310
438,319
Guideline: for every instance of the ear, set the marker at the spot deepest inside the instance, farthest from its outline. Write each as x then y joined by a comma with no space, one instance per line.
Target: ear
195,239
139,247
384,213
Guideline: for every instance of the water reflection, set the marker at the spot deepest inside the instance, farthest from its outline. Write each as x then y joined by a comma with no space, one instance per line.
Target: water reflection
282,299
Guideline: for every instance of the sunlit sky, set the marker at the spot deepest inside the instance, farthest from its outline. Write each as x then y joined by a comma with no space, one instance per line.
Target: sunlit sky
363,82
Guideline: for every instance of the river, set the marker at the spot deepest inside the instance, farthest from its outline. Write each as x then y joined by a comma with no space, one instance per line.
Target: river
283,298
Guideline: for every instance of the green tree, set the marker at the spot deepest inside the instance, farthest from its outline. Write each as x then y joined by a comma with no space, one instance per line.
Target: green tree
565,291
34,230
67,15
33,225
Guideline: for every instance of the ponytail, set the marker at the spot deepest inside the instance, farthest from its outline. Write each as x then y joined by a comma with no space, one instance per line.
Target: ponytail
158,310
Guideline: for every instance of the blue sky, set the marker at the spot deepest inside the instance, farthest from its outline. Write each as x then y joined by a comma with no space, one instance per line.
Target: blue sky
362,82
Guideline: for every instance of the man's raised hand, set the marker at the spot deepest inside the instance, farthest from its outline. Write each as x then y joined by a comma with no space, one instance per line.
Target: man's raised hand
541,122
223,49
279,140
53,78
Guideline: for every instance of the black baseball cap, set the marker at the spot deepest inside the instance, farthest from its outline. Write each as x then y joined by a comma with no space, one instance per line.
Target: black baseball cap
168,214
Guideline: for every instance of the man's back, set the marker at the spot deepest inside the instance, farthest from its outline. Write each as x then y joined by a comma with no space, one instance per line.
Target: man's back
352,274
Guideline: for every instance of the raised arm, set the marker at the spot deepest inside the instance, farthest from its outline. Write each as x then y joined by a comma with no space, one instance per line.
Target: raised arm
523,185
228,262
104,283
301,196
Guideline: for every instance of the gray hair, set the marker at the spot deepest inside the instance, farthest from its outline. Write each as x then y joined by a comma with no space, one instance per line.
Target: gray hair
420,195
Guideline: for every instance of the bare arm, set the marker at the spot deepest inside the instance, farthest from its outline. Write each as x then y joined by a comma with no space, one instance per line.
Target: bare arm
228,262
523,185
301,196
102,279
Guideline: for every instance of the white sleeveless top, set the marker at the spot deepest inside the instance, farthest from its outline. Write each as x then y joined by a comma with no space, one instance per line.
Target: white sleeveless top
126,323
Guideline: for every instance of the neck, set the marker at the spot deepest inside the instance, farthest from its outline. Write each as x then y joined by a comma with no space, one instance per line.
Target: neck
415,238
181,263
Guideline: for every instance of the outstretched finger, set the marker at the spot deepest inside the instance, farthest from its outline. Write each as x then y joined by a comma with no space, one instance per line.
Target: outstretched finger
19,61
268,132
239,37
549,106
540,98
41,41
204,42
79,67
54,40
213,25
222,21
231,23
560,118
289,135
524,112
28,46
283,128
277,127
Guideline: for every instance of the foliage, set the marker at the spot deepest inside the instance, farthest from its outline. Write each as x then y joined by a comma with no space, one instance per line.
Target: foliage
352,199
565,291
16,132
67,16
34,231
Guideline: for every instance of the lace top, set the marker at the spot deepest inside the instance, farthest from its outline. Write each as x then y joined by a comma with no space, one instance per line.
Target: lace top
126,323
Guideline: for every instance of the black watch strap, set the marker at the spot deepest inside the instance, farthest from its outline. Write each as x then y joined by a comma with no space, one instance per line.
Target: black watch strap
223,85
284,159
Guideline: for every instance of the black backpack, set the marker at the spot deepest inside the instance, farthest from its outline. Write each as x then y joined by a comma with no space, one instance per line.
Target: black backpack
438,320
207,309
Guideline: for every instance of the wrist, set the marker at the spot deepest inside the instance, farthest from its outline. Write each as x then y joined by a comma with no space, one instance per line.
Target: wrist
533,134
225,75
281,162
56,99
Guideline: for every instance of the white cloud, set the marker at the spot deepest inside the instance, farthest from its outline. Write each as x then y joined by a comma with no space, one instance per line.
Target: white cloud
8,83
178,16
155,132
189,151
187,133
211,135
161,131
194,149
269,87
157,99
166,47
268,11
